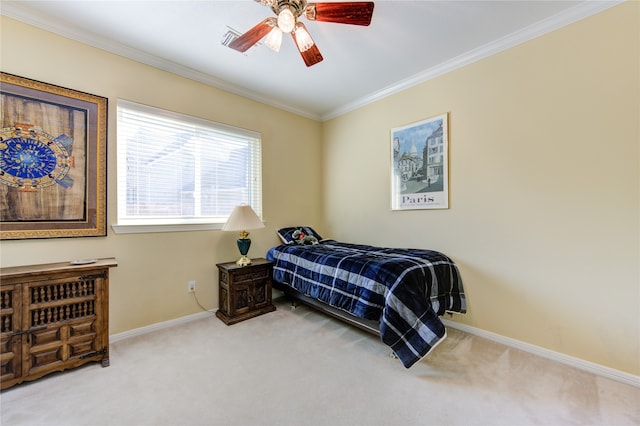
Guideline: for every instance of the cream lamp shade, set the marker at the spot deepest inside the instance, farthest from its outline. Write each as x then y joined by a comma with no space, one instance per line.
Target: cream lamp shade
241,219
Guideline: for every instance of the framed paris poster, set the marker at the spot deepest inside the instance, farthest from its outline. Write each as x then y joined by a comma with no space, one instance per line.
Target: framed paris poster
420,165
52,161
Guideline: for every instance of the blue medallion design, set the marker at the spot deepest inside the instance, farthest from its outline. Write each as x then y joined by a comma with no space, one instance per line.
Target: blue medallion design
33,159
27,158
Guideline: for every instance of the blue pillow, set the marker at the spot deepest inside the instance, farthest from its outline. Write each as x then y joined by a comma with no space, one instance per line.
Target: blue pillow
286,234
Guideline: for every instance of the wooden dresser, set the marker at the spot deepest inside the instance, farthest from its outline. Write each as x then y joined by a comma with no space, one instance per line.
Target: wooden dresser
245,291
53,317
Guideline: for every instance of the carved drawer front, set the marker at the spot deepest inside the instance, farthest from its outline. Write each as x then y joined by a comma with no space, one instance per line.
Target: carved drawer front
10,338
241,299
261,293
51,303
63,321
224,277
57,344
252,275
224,299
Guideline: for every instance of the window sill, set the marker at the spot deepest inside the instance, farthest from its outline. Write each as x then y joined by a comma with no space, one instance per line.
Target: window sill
142,229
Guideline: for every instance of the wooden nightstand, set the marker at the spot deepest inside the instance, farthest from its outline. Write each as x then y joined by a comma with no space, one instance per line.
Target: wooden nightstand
245,291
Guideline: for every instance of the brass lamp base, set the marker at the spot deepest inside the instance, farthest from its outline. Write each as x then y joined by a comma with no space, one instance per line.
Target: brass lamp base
243,261
243,246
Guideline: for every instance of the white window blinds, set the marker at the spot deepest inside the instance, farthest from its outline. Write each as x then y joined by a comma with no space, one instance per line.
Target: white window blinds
177,169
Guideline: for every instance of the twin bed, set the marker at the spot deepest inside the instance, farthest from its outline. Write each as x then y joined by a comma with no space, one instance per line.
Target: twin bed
396,293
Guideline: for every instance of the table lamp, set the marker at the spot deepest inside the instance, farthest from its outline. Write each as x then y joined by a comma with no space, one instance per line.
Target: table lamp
242,218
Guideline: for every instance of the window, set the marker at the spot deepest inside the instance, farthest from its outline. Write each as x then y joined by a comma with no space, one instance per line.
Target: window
177,172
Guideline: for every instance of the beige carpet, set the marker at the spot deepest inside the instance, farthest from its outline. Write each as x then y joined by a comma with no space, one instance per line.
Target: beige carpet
303,368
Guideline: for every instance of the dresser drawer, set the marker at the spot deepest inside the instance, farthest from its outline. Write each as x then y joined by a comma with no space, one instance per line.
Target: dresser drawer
252,274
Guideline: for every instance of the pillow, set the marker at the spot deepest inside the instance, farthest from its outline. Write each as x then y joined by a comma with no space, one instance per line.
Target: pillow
286,234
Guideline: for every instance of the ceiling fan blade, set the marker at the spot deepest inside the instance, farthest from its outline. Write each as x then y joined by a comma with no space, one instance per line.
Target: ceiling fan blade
311,55
349,12
254,35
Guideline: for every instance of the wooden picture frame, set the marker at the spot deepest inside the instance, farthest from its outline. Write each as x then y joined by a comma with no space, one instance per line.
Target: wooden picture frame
420,165
53,162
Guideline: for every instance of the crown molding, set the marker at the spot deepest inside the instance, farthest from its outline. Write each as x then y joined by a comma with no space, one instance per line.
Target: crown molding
18,12
581,11
569,16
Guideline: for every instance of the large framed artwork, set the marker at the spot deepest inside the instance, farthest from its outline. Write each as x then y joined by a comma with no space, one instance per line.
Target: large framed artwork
420,165
52,161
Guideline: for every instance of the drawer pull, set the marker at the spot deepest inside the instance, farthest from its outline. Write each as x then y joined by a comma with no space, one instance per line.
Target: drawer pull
93,276
28,332
103,351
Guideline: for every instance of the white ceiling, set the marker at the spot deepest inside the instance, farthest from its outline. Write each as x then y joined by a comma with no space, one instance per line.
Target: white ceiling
407,42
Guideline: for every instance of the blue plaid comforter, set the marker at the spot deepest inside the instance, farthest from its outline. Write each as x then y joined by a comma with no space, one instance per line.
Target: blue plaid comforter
405,289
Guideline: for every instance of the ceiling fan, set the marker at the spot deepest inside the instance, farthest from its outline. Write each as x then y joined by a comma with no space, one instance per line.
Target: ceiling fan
288,12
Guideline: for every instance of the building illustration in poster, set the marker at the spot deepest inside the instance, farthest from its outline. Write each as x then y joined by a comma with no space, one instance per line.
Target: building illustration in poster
419,169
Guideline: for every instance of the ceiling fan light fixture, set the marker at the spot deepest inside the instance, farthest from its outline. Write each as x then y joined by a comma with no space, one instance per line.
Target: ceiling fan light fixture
286,20
274,39
303,38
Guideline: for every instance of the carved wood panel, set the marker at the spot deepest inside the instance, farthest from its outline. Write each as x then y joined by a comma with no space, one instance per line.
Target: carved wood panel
53,317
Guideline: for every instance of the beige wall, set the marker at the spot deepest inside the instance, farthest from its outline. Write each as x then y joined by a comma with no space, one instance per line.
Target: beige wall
150,283
544,186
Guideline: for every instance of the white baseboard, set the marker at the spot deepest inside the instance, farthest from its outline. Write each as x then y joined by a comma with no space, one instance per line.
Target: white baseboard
578,363
159,326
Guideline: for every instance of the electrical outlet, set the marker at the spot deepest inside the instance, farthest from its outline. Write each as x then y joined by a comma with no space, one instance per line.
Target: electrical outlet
191,287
